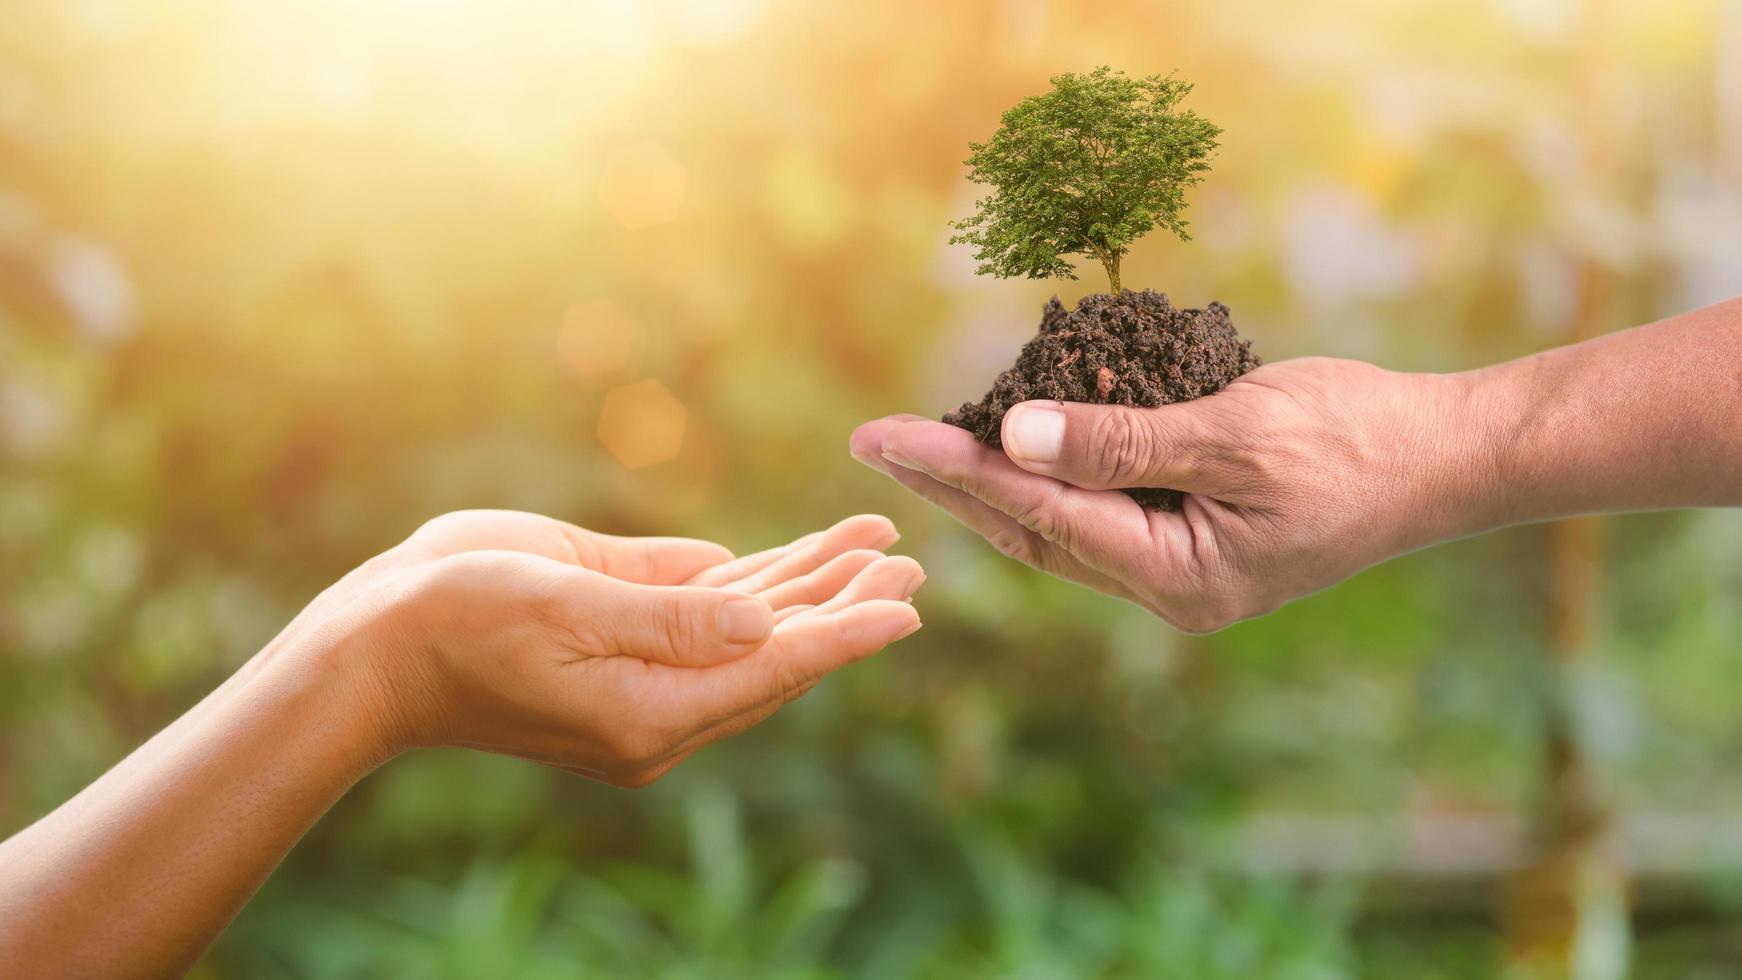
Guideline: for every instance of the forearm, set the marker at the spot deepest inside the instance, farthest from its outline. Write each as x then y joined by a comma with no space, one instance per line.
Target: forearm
139,872
1644,419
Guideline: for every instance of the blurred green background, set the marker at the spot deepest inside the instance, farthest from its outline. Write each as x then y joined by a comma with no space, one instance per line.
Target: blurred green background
280,281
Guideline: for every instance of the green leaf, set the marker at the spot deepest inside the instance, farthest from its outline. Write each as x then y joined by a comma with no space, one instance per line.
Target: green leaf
1086,169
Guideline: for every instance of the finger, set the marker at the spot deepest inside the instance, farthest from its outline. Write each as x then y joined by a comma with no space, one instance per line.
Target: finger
1096,526
1000,529
789,612
866,443
725,728
716,703
736,704
863,532
801,652
738,568
682,626
1003,532
655,561
895,577
821,585
1101,447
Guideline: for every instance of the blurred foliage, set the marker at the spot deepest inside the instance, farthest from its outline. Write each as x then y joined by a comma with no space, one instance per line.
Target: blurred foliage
279,281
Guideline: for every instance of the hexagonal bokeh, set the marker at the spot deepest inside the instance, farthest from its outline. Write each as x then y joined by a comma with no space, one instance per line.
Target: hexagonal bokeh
642,424
642,185
597,338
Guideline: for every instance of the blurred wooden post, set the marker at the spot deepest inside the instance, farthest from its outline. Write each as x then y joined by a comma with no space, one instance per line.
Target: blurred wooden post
1566,912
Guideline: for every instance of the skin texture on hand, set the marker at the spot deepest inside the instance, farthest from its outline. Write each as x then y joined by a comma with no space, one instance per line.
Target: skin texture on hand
1278,503
611,657
1303,472
616,658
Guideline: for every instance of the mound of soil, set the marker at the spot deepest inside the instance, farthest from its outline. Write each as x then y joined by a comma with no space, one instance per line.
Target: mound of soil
1135,348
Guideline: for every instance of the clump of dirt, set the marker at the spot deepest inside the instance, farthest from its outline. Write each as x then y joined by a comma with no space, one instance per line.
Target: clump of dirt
1135,349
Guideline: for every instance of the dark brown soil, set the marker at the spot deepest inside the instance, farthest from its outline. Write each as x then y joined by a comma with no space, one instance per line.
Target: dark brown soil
1132,349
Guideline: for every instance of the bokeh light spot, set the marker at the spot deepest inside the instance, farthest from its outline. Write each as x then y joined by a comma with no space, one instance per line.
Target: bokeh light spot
597,338
642,185
642,424
94,288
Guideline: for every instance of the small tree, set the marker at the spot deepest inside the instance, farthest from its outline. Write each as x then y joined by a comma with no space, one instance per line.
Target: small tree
1085,169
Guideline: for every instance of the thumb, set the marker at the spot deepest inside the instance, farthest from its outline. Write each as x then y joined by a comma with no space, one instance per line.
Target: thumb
683,626
1106,447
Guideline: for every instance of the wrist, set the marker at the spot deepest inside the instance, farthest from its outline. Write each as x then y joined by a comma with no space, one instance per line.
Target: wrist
342,669
1464,456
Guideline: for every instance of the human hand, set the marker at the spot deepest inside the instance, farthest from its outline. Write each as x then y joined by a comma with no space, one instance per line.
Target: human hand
1296,476
611,657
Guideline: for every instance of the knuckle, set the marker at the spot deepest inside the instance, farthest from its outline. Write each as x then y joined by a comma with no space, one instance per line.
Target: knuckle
443,523
1122,446
680,627
1204,616
1266,471
1199,623
1042,516
1256,427
1012,544
589,633
452,577
1271,419
436,524
638,777
788,683
587,552
1239,468
450,572
635,748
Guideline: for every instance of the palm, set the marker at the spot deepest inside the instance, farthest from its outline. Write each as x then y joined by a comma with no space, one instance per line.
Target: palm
788,572
550,677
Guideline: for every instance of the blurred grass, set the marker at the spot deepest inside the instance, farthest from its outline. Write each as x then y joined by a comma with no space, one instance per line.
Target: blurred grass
279,282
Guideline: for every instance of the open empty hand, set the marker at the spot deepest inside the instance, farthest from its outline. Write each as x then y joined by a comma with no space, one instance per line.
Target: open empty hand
616,657
607,656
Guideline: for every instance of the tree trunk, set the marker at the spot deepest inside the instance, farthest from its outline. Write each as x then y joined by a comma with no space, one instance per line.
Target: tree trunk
1110,262
1566,910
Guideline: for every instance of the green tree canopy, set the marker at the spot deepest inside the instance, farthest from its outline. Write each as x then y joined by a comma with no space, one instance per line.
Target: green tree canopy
1085,169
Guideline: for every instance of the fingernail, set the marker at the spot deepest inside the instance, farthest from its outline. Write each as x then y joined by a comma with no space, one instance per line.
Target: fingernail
1034,433
904,634
913,584
744,620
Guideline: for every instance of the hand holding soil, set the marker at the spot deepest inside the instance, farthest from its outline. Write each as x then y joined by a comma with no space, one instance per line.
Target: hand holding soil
1291,478
1087,169
1133,349
1165,466
1303,472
